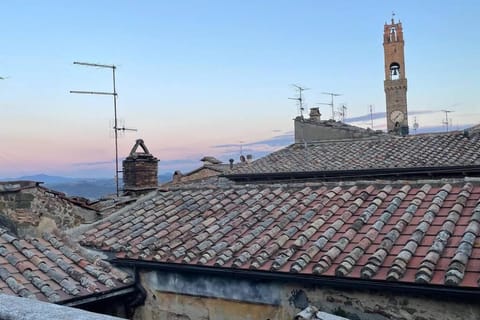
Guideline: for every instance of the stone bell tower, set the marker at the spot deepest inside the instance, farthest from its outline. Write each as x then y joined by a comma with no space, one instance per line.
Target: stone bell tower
395,81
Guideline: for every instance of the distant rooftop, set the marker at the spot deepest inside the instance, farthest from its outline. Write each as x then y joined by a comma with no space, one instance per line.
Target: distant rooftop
387,152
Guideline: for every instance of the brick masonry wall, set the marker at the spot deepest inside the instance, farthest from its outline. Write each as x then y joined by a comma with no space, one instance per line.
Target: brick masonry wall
140,173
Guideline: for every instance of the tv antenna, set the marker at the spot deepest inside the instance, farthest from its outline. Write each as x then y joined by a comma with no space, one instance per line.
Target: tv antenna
371,116
415,125
331,94
446,121
299,98
342,112
114,94
120,127
241,147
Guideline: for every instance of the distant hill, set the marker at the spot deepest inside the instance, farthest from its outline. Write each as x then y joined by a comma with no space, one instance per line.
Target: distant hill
42,178
90,188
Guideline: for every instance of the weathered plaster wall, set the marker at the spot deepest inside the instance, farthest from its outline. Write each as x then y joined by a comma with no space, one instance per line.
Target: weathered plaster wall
310,131
35,210
193,296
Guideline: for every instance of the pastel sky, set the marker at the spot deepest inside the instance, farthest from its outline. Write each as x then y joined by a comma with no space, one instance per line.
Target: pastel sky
202,77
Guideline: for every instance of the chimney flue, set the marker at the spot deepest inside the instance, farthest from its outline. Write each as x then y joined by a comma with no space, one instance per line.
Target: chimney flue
315,114
140,169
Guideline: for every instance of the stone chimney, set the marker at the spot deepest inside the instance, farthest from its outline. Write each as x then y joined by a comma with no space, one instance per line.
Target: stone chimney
140,169
177,176
315,114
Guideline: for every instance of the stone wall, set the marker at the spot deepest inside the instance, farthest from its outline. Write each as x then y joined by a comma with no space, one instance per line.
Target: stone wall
193,296
34,209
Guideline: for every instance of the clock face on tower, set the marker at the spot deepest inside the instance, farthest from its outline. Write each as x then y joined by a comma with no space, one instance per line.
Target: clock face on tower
397,116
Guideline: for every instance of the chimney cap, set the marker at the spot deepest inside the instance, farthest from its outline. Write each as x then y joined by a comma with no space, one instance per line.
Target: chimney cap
139,143
210,160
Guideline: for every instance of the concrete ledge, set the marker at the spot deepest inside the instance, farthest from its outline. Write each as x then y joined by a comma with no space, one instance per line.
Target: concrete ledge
15,308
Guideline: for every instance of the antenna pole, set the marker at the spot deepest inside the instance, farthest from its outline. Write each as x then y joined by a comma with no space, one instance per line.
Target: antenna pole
299,98
332,94
116,129
371,116
446,118
114,94
415,125
343,112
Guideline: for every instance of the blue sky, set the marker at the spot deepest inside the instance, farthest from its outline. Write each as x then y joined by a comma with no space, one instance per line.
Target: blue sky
193,75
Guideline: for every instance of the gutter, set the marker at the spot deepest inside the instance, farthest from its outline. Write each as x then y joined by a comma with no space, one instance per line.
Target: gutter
443,172
134,289
99,296
434,291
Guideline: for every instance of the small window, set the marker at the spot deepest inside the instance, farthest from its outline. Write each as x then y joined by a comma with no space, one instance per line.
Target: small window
393,34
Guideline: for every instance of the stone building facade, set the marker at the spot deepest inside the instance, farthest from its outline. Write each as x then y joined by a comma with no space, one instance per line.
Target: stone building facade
28,208
314,129
200,296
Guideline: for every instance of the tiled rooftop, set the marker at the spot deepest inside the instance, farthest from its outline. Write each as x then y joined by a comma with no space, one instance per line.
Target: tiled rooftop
47,269
413,233
386,152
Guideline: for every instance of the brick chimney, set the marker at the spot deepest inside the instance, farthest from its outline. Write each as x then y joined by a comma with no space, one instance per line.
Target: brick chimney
140,169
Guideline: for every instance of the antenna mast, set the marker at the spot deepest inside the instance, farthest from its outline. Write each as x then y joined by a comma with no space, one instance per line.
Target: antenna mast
343,112
445,122
371,116
331,94
114,94
415,125
299,98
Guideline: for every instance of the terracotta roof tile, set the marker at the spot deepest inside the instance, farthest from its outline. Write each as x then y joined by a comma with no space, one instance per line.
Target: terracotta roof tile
385,152
48,269
408,232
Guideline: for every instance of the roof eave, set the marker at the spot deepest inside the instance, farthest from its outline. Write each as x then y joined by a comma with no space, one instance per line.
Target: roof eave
415,172
99,296
436,291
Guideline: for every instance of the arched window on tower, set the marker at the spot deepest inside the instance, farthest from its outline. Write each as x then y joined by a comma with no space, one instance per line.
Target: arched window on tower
393,34
394,71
